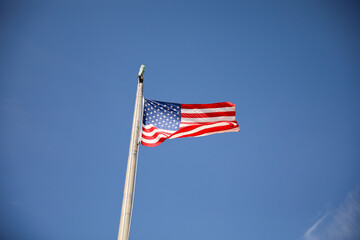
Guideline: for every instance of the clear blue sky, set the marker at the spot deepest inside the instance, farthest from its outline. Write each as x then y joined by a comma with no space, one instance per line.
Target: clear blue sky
68,72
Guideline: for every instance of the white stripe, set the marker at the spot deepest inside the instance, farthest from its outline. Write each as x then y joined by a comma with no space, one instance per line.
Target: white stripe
208,110
158,129
150,134
185,124
199,129
155,140
223,131
210,119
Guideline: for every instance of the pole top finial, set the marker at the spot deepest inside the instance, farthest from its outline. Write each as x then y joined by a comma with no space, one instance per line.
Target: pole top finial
141,70
141,73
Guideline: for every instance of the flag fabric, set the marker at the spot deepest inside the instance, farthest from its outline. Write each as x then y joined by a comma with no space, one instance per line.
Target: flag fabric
164,120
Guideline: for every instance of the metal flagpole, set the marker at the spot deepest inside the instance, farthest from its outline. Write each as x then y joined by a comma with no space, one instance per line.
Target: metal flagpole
126,209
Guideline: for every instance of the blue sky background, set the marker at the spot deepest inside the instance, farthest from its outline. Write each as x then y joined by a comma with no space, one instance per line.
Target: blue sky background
68,72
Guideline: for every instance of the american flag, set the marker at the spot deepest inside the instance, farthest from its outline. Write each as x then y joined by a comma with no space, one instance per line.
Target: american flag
164,120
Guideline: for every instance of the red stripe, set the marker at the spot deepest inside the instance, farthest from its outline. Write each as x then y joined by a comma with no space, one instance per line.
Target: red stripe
148,129
209,130
152,128
155,135
206,115
209,105
194,126
153,144
205,123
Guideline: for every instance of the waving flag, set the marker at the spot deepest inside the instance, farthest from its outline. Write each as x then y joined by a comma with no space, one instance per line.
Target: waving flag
163,120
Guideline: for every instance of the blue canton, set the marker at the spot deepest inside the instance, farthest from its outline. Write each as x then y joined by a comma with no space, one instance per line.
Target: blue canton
162,115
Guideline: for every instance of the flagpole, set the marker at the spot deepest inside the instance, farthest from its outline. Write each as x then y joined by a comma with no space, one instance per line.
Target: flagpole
128,197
